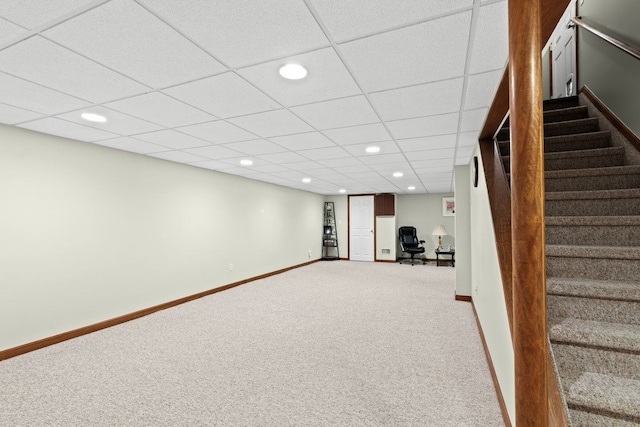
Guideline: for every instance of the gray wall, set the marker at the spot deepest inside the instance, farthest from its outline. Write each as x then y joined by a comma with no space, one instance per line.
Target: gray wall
610,73
89,233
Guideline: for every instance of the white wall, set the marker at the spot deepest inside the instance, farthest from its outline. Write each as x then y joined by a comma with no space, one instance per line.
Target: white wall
386,237
463,186
487,292
424,211
90,233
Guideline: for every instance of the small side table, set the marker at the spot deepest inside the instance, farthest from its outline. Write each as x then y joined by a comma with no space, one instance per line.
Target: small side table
451,253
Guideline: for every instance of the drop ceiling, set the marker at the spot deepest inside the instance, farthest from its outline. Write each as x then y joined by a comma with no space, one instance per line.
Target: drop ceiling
197,83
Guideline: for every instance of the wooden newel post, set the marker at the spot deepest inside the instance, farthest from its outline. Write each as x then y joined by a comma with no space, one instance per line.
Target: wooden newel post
527,212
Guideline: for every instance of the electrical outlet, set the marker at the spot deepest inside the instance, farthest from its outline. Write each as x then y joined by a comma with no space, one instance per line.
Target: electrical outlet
309,253
475,289
230,266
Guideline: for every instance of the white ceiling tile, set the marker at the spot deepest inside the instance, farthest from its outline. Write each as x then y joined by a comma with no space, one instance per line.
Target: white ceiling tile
161,109
424,126
482,89
467,139
439,188
429,164
269,168
490,42
324,172
364,175
225,95
9,31
359,134
172,139
33,13
125,37
411,55
130,144
46,63
66,129
255,147
119,123
437,177
433,170
386,147
283,158
348,170
382,158
30,96
345,161
306,166
473,120
244,32
12,115
418,101
218,132
303,141
338,113
214,152
272,123
388,167
324,153
178,156
327,78
446,153
351,19
428,142
463,155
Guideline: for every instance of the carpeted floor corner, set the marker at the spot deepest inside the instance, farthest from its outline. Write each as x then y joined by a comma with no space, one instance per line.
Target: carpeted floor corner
330,344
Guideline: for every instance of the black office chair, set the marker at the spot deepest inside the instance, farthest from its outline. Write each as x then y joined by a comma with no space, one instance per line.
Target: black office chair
409,242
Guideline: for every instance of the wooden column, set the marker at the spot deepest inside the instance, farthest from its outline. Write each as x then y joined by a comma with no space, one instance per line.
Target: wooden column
527,212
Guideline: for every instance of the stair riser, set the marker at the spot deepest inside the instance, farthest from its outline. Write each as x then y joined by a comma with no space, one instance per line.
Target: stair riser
585,162
558,129
571,144
560,103
593,268
592,207
586,183
601,235
561,115
593,309
602,361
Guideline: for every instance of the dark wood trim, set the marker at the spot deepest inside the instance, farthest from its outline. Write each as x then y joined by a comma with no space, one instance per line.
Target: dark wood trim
551,69
45,342
557,411
500,203
386,260
613,119
494,377
627,48
466,298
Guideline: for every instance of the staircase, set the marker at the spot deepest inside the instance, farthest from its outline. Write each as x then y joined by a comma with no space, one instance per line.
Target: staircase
593,265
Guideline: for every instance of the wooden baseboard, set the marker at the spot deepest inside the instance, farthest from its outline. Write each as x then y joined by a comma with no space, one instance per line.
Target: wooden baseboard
613,119
386,260
45,342
466,298
494,377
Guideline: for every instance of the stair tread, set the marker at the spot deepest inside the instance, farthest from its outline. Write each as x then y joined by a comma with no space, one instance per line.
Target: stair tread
594,251
588,120
592,152
623,193
606,393
588,172
592,288
559,138
593,220
594,333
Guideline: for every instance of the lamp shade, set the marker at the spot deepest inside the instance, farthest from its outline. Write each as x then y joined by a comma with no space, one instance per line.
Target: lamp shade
439,230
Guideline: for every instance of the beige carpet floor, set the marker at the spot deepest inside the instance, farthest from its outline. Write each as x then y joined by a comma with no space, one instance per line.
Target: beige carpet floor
330,344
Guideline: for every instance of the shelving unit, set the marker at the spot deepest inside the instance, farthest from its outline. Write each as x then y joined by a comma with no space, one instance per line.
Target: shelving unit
329,234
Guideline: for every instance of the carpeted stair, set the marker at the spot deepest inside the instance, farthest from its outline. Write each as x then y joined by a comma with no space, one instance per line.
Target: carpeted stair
593,265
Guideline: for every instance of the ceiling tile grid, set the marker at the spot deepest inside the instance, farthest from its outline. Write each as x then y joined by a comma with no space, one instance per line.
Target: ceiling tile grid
198,83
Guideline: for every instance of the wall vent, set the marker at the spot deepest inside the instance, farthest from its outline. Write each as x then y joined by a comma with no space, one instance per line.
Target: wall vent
386,251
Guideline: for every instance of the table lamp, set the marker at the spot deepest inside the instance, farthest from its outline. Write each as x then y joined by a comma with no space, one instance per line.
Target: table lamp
439,231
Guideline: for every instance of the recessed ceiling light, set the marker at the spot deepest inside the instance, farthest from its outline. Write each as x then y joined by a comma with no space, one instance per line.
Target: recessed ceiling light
342,190
397,174
411,187
246,162
293,71
306,180
92,117
372,149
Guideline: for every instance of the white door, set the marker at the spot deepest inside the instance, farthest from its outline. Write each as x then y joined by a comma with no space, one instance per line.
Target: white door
564,55
361,228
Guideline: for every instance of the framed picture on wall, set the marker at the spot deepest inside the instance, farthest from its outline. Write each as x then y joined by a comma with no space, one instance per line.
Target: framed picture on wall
448,206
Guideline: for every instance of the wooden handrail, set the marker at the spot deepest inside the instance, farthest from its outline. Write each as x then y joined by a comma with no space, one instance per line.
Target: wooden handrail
631,50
